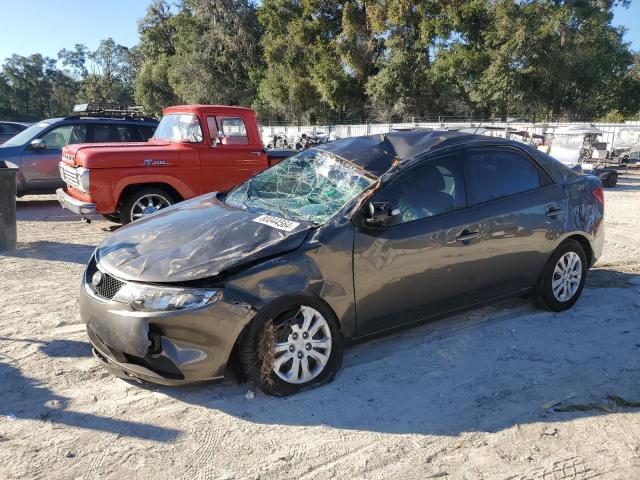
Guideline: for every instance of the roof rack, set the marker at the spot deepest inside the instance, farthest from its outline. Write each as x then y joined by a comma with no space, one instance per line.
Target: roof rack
108,110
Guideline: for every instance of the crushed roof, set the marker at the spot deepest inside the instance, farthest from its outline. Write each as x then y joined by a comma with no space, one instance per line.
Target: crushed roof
378,153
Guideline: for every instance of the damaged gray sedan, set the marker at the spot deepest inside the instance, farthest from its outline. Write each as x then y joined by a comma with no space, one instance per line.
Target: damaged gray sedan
340,242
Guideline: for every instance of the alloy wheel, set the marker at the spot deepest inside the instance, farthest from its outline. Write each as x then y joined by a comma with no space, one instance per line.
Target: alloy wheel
148,204
567,276
303,347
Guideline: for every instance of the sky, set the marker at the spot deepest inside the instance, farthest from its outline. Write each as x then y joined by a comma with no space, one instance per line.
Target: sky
48,26
630,18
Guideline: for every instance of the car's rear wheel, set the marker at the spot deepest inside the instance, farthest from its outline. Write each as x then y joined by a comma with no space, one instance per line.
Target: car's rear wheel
612,181
144,201
563,277
292,345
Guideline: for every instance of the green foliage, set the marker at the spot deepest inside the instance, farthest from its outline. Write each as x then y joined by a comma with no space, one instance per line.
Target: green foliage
612,116
106,75
32,88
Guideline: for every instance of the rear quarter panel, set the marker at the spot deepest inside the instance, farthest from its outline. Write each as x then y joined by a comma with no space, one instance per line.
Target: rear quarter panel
584,214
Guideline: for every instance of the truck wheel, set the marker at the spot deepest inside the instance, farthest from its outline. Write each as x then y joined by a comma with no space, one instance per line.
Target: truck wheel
144,201
613,180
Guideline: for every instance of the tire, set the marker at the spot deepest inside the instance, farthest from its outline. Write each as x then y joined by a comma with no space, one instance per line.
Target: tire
568,292
613,180
132,203
111,218
281,323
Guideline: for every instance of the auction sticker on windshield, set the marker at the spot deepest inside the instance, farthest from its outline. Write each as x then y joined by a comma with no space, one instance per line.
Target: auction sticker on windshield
276,222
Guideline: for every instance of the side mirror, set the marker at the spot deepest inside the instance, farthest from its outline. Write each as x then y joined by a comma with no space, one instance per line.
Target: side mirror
37,145
381,214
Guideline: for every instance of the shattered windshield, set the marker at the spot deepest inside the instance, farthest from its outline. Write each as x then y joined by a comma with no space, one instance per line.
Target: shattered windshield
312,185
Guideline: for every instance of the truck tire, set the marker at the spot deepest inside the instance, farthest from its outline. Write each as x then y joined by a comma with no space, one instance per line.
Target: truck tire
144,201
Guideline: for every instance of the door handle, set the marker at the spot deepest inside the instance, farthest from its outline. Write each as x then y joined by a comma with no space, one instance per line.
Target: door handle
255,153
467,235
553,212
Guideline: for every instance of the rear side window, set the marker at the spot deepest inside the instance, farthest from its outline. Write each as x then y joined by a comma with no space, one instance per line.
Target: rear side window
101,133
126,133
432,188
146,132
496,173
233,131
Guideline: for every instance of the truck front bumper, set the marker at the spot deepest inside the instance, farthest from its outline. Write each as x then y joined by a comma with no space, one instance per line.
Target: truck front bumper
73,204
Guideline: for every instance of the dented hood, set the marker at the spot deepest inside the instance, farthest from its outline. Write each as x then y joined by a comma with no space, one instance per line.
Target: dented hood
196,239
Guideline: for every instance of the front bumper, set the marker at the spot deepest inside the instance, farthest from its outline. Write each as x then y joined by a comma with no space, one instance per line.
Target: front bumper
168,348
73,204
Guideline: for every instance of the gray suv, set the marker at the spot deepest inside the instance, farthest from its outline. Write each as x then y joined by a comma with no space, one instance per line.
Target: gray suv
9,129
37,150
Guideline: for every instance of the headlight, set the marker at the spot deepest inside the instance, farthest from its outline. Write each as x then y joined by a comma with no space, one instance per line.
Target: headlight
83,179
150,298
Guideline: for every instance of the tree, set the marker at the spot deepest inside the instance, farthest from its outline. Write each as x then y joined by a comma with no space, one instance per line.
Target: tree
153,89
216,51
32,88
106,75
313,69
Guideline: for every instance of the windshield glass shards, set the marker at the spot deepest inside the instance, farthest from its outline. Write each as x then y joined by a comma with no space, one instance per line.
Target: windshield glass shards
312,185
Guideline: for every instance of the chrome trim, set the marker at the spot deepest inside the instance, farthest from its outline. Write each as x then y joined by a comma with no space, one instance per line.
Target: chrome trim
70,176
73,204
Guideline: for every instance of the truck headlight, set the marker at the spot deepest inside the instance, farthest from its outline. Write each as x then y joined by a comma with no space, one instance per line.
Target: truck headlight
82,174
151,298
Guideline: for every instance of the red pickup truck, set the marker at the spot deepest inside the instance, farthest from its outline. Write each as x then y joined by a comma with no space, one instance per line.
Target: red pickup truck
196,149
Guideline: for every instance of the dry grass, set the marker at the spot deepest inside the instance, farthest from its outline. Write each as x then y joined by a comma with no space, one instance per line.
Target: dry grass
267,352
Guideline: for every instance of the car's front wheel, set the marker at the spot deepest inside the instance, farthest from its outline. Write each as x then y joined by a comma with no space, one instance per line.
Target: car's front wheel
292,345
563,277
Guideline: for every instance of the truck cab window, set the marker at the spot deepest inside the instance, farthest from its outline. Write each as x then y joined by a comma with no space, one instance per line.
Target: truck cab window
233,131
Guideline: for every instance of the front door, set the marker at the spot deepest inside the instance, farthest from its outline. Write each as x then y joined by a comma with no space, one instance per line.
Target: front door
231,159
40,168
423,264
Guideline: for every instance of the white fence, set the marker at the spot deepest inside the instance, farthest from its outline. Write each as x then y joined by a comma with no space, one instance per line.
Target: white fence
610,130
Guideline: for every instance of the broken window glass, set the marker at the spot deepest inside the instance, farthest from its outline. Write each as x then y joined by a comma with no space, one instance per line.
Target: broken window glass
312,185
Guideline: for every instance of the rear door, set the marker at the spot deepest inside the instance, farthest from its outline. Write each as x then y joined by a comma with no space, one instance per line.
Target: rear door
233,159
423,265
521,213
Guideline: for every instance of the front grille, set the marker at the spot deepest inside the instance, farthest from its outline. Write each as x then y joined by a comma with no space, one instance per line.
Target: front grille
108,286
69,176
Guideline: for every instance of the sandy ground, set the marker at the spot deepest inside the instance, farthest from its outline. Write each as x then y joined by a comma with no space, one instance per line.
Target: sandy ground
461,398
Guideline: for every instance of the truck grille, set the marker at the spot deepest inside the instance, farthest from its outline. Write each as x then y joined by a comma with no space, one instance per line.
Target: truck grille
109,286
69,176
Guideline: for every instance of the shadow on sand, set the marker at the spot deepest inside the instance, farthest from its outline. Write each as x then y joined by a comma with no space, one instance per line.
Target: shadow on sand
486,370
53,251
25,398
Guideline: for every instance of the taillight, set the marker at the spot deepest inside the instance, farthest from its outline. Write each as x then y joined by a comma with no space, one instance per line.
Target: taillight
599,194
